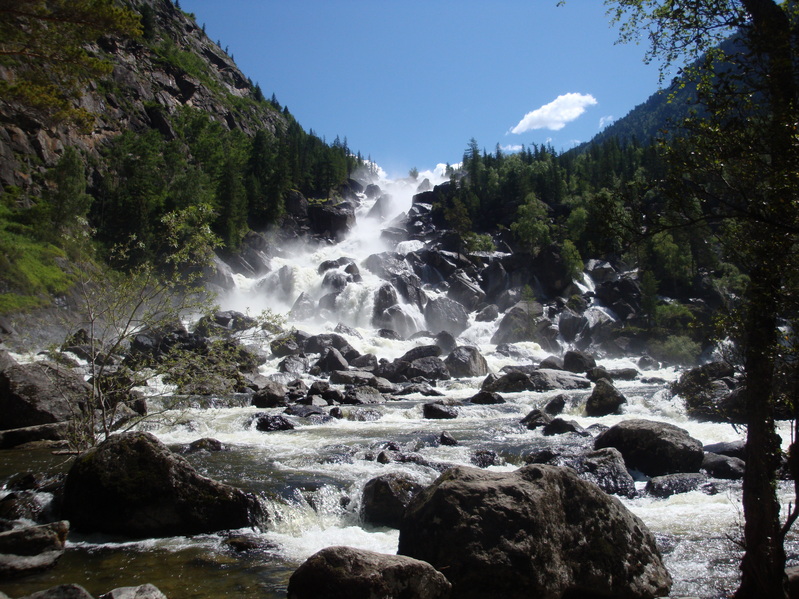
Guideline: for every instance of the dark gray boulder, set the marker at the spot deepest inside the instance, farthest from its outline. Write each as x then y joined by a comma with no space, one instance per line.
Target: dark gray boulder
604,467
706,390
331,361
347,573
304,308
555,405
654,448
271,395
536,380
552,380
734,449
536,419
466,361
331,221
429,368
133,485
439,411
57,431
363,395
353,377
488,314
38,393
385,497
561,426
486,398
604,399
465,291
421,351
410,288
672,484
511,382
722,466
525,321
578,361
539,531
445,314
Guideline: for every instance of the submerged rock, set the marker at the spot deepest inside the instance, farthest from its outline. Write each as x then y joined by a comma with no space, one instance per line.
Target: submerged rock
27,550
539,531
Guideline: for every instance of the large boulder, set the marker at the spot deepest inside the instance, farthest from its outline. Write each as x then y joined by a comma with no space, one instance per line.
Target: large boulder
604,467
578,361
429,368
385,498
604,399
38,393
347,573
465,291
445,314
522,322
133,485
541,379
539,531
466,361
331,221
709,393
654,448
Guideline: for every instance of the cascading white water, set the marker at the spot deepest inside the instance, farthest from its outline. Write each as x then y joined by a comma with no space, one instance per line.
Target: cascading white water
312,477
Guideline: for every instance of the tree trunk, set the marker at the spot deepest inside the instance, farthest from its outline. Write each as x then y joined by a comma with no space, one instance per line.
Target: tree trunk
763,576
763,564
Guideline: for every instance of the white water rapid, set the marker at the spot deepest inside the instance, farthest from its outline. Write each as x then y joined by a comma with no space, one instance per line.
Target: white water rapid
312,476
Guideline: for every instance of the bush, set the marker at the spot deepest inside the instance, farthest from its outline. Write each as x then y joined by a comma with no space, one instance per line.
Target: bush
677,350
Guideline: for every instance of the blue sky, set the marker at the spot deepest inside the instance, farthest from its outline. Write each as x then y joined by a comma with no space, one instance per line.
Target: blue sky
410,82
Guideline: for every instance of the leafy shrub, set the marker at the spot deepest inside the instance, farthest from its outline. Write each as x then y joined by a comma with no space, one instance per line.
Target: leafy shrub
678,350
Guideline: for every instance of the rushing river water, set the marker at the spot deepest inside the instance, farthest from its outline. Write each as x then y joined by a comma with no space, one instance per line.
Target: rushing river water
312,477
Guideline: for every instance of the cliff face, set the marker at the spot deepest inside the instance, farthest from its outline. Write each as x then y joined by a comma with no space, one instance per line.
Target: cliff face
173,65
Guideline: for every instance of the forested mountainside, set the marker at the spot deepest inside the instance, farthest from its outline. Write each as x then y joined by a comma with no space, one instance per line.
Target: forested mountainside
173,129
160,120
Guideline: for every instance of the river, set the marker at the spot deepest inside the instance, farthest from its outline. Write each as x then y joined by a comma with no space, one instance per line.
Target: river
312,477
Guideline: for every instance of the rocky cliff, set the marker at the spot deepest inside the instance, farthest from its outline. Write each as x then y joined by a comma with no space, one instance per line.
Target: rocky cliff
174,64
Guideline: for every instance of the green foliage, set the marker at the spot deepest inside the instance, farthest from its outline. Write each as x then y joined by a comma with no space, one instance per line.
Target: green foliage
679,350
32,273
532,228
571,259
44,44
674,317
116,306
476,242
65,203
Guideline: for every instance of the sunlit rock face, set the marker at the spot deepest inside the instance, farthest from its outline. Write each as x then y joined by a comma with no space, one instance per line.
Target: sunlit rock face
540,531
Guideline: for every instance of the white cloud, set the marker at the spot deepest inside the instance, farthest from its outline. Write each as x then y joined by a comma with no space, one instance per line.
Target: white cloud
512,148
563,109
605,121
